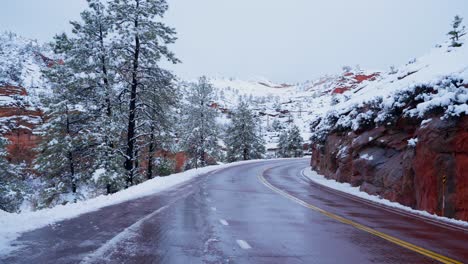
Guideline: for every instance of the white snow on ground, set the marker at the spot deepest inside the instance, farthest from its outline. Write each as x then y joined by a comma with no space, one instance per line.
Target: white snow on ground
412,142
367,157
347,188
12,225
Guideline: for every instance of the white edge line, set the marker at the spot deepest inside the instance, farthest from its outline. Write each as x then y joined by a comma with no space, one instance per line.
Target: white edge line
395,210
224,222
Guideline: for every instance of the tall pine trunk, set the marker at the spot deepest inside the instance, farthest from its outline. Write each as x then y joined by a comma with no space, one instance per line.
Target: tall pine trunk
151,149
130,154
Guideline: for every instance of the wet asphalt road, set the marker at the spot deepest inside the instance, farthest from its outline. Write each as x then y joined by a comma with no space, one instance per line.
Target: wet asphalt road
231,216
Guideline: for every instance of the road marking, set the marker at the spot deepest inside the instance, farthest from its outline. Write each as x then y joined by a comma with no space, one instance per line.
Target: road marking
243,244
439,223
224,222
422,251
125,234
213,208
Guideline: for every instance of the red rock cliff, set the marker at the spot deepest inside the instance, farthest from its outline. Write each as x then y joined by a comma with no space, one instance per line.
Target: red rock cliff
382,162
18,121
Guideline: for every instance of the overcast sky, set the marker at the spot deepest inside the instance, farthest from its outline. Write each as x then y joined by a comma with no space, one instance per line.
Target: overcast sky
284,41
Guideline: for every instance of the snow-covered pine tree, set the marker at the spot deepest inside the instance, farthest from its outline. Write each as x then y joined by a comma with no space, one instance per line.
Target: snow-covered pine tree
65,153
140,42
11,183
295,142
90,58
283,144
242,137
200,130
158,118
11,66
457,32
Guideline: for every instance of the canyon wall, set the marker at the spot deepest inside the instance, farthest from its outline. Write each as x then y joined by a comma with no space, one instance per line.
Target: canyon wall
430,173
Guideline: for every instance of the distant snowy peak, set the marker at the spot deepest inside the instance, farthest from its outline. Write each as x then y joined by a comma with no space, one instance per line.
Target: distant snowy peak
232,89
261,87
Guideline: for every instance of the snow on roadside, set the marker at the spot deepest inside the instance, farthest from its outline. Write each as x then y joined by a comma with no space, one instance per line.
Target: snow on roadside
12,225
347,188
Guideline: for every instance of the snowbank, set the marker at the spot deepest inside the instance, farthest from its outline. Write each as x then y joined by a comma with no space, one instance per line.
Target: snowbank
12,225
347,188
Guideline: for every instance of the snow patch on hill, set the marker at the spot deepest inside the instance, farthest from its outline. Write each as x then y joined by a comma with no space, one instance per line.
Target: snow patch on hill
21,63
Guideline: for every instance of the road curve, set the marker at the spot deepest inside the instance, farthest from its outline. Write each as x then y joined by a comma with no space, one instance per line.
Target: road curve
261,212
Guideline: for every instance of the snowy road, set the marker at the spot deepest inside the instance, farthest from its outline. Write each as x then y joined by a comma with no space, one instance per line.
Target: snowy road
254,213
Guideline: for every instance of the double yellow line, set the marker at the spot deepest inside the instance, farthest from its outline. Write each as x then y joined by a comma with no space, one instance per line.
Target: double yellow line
422,251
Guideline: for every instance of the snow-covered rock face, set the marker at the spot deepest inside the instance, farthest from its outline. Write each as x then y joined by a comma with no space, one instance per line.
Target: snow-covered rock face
21,63
405,135
21,83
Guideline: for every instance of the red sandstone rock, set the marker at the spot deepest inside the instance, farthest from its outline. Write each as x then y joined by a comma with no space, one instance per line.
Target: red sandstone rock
381,162
20,121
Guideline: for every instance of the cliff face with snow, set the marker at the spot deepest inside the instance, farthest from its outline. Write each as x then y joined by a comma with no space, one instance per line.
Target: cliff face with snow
21,84
405,136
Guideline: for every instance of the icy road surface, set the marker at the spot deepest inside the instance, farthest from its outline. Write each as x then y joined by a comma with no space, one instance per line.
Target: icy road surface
263,212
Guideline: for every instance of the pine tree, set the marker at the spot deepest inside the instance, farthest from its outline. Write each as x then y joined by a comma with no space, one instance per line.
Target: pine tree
243,139
90,56
140,42
200,138
158,118
283,144
11,184
65,153
295,142
456,33
290,143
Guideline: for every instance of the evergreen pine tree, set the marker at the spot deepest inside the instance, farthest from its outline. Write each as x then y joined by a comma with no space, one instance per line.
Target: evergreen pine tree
457,32
243,139
200,138
11,183
158,119
283,144
295,142
140,43
66,151
90,56
290,143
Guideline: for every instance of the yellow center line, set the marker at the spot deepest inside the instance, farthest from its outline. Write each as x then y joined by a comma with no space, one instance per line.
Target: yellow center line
407,245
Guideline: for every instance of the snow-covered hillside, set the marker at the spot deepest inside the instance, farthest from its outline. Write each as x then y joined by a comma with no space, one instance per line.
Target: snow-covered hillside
21,63
347,97
280,105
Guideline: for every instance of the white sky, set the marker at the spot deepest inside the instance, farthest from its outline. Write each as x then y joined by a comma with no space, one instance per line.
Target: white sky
284,41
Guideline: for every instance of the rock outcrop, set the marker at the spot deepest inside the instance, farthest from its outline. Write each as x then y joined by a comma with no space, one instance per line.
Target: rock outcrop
424,166
18,120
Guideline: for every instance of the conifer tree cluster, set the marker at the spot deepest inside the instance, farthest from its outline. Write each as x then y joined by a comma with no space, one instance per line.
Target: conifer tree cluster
199,128
12,187
112,105
243,138
290,143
